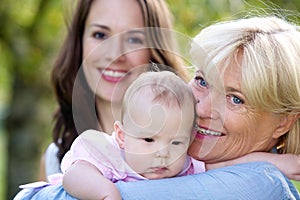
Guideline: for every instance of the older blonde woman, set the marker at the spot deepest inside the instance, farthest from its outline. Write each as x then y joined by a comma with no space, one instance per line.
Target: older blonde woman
247,89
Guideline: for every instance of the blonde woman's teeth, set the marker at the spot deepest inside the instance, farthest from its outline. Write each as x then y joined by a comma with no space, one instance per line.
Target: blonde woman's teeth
207,132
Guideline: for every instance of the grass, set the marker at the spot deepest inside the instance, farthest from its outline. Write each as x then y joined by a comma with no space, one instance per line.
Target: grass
297,185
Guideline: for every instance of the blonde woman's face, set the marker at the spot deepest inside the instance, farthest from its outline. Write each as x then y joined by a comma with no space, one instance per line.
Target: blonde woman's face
110,44
227,127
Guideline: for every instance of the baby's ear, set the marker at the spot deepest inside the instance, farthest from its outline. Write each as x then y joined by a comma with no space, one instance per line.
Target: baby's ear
285,124
119,134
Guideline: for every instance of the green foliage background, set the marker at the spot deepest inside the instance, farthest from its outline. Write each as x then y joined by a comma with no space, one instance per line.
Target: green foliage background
30,36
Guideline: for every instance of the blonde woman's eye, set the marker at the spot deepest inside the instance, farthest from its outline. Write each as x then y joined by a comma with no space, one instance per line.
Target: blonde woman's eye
236,100
199,80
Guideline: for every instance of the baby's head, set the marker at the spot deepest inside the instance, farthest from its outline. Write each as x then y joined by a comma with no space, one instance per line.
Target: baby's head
156,124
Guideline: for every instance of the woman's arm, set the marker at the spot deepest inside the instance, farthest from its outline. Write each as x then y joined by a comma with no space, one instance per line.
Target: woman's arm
257,180
49,163
84,181
287,163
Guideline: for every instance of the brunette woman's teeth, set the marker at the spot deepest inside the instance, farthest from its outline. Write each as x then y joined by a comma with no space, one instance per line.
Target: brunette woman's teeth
115,74
207,132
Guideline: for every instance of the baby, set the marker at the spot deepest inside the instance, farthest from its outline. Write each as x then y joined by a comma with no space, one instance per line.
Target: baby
149,142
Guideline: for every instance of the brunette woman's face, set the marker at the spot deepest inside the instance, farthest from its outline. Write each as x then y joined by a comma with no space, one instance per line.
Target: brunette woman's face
113,47
226,126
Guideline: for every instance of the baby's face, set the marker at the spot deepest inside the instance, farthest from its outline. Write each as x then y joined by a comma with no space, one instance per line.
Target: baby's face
157,137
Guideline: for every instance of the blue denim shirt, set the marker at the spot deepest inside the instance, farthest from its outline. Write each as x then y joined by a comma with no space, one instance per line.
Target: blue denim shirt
256,180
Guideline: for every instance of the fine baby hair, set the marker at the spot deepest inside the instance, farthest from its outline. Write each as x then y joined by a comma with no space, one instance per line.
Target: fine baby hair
164,87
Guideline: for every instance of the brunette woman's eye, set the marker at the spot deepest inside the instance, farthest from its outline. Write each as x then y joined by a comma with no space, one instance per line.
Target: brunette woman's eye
99,35
135,40
199,80
149,140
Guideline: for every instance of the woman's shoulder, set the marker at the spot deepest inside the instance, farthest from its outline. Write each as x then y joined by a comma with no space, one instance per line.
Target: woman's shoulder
52,163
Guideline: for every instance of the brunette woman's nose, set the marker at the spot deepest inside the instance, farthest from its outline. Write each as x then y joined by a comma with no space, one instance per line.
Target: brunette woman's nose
114,49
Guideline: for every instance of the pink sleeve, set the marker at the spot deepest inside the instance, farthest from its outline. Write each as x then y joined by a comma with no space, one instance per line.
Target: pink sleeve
199,166
93,147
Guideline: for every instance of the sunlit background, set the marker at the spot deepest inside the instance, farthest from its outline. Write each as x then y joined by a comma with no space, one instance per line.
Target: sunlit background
30,35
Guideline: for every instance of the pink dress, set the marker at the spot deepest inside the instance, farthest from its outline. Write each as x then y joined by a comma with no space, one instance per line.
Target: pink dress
102,151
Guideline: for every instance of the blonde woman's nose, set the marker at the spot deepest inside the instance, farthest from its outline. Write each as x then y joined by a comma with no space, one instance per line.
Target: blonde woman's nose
210,106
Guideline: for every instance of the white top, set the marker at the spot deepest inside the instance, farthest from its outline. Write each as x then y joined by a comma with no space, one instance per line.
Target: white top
52,163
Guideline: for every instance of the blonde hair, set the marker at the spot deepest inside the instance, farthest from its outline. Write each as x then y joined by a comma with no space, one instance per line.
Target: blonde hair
270,51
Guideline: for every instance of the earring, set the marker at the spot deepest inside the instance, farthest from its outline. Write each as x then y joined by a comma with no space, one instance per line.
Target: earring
198,101
154,67
280,146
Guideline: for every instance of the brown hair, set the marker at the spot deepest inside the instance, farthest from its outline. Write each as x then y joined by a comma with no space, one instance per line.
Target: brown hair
67,67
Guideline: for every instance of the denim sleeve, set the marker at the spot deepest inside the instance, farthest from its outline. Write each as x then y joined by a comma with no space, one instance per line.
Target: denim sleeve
258,180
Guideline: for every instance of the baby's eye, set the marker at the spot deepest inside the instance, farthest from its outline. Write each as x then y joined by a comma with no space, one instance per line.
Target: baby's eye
176,142
199,80
99,35
149,140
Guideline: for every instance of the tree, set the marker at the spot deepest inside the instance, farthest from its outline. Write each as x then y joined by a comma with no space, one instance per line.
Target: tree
26,34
